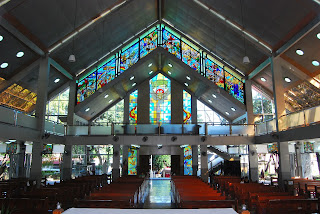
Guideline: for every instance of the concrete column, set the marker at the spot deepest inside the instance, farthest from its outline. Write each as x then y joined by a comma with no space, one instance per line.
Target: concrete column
42,94
72,102
284,172
249,105
204,163
125,160
177,104
298,159
253,163
67,163
144,103
194,160
182,161
126,108
194,110
35,173
116,162
21,158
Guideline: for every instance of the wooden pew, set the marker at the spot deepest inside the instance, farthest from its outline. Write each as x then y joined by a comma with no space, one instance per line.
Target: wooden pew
293,206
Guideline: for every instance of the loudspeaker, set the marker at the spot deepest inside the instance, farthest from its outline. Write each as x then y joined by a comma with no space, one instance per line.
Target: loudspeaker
174,138
203,138
203,153
115,138
145,138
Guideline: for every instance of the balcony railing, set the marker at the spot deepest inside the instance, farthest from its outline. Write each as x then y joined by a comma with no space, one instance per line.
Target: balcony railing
289,121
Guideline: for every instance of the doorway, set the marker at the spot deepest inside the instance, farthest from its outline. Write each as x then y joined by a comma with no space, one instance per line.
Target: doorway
161,166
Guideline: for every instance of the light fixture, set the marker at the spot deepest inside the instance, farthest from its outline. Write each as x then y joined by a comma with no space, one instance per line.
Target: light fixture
72,57
186,84
169,72
110,101
1,38
20,54
227,113
287,79
150,65
134,84
150,72
12,140
88,109
299,52
57,80
8,142
315,63
170,65
4,65
263,79
214,96
233,109
245,59
106,96
131,78
188,78
318,35
209,101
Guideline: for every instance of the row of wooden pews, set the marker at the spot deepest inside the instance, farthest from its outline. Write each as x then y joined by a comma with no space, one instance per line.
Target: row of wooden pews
125,192
264,199
306,187
191,192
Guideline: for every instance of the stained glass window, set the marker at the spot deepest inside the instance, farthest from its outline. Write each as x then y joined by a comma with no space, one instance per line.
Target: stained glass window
171,43
187,162
82,91
160,99
186,107
234,86
129,57
132,161
214,73
91,87
148,43
113,115
106,73
190,56
18,98
133,111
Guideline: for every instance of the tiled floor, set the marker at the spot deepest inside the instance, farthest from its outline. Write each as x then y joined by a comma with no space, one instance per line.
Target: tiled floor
159,196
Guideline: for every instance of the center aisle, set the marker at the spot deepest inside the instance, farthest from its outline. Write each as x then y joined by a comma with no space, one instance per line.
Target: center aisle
159,196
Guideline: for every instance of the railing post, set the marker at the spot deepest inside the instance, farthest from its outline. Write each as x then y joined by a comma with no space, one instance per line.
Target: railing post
15,118
206,129
182,129
304,117
112,129
159,129
230,129
267,127
89,129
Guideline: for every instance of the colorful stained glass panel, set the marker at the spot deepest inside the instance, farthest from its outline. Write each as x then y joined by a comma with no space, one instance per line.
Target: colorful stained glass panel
106,73
273,148
187,162
129,57
235,87
171,43
132,161
160,99
190,56
186,107
148,43
91,87
214,73
82,91
47,148
308,147
133,104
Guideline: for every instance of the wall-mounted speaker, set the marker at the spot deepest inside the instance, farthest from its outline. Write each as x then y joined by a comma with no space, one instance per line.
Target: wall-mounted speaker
174,138
203,153
203,138
115,138
144,139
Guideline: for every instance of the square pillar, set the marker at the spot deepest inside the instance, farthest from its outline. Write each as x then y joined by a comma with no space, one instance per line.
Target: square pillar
284,172
21,160
194,110
204,163
36,164
116,162
194,160
177,104
72,102
143,103
253,163
125,149
67,163
249,105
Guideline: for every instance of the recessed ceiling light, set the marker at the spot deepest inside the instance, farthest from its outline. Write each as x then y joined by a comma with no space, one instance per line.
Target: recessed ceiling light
134,84
169,72
150,72
263,79
315,63
4,65
299,52
227,113
214,96
1,38
209,101
233,109
56,80
287,79
150,65
8,142
106,96
88,109
170,65
186,84
110,101
188,78
318,35
20,54
12,140
131,78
